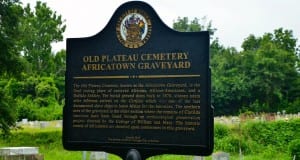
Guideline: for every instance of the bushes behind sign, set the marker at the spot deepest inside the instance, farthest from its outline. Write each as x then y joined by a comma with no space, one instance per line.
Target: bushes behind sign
35,97
259,138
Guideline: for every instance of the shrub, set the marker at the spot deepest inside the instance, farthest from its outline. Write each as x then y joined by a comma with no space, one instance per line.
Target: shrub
232,144
221,130
46,92
7,113
277,133
294,148
294,106
26,138
26,108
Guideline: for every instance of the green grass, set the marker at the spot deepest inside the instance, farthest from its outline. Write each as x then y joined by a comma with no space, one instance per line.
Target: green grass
59,154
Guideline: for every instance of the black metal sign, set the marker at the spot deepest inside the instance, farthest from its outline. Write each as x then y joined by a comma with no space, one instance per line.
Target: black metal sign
138,85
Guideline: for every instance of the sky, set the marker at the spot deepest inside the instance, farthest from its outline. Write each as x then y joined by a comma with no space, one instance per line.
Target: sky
234,20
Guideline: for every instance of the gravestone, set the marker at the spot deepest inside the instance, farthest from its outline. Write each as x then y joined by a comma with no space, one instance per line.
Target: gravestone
18,153
24,121
220,156
198,158
98,156
138,85
44,124
270,117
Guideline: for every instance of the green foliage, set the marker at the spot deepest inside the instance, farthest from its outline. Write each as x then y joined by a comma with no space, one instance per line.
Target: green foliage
36,98
46,92
294,106
277,134
23,138
261,78
49,113
230,85
60,63
60,85
10,14
40,27
229,139
30,109
185,25
221,131
26,108
263,139
8,115
7,112
294,148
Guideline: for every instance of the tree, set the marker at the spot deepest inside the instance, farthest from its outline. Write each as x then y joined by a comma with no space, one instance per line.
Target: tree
261,78
230,85
283,39
7,112
39,29
10,60
184,25
251,43
60,63
264,77
270,63
10,13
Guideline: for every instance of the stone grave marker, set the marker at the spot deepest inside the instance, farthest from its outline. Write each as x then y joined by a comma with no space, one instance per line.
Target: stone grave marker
98,156
20,153
198,158
220,156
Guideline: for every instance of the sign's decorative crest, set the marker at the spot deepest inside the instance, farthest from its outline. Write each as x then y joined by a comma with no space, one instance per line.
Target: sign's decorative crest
134,28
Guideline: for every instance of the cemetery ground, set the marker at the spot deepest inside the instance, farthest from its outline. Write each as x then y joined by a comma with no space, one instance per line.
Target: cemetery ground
268,137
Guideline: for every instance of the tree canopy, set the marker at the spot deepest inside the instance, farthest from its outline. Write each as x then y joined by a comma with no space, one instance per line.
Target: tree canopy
10,15
263,77
40,27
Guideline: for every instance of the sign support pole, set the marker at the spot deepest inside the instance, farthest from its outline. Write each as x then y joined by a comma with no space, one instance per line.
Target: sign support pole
133,154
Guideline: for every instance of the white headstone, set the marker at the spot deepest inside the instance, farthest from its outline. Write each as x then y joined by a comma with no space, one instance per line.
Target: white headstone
58,124
98,156
24,121
220,156
44,124
198,158
283,112
6,151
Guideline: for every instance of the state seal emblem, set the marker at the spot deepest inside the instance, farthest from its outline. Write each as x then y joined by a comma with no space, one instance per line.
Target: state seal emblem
134,28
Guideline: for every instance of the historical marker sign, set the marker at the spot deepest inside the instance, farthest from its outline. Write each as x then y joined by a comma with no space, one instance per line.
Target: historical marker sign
138,85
